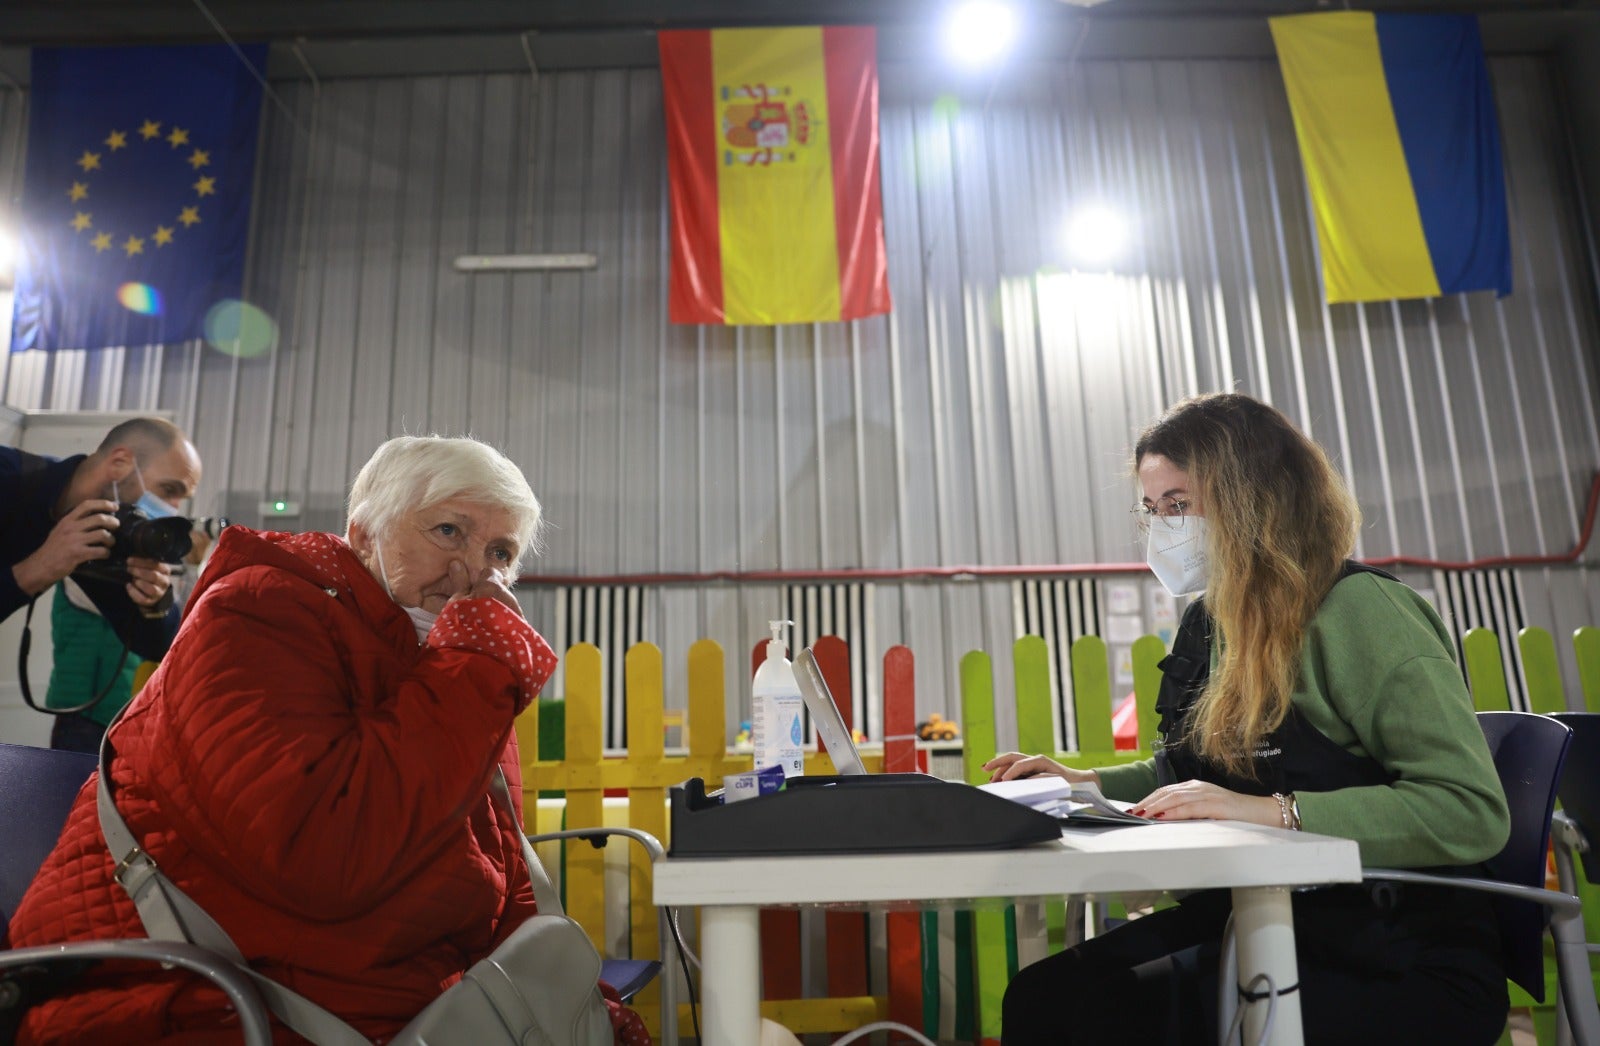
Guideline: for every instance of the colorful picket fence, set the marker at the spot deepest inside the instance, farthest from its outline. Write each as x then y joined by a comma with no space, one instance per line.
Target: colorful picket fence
584,776
915,991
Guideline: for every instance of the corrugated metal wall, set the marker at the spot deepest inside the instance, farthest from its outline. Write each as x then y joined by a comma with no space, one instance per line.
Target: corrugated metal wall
986,421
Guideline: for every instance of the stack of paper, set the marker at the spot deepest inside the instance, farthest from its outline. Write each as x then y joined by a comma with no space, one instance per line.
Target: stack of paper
1080,803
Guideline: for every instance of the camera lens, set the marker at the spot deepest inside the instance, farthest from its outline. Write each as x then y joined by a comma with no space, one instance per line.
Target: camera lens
211,526
164,539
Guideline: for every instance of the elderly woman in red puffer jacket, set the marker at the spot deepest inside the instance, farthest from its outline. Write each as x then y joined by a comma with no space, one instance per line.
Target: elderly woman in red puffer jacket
312,762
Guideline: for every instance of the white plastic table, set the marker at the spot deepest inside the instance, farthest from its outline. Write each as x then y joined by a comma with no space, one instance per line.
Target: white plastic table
1260,865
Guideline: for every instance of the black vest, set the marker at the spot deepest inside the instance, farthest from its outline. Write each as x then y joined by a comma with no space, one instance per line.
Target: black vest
1294,757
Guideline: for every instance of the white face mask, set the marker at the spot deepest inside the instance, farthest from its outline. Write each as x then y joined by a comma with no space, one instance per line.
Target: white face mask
1178,554
421,620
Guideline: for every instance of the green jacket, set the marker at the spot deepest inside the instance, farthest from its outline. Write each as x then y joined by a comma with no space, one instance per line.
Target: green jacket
1378,676
87,654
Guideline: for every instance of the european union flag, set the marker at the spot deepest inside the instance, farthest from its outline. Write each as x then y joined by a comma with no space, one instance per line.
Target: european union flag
136,193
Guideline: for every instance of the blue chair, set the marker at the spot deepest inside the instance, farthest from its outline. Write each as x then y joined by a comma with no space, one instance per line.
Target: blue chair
1576,826
1528,752
37,789
1580,798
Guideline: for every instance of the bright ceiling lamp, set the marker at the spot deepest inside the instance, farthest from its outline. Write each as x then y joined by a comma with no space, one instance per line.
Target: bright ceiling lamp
979,32
1096,236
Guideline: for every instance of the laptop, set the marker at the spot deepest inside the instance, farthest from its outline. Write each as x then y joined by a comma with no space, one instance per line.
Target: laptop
825,714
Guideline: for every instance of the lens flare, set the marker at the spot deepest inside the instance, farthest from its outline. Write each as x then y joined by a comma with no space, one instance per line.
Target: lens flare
141,298
237,328
947,107
1097,236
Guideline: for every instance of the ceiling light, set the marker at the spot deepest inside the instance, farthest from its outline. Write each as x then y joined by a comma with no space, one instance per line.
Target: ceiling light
978,32
524,262
1096,235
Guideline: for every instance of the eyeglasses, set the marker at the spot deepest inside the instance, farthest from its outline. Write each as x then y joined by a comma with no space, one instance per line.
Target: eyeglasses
1170,511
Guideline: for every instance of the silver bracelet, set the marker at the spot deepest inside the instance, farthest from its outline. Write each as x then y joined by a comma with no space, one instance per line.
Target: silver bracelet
1283,811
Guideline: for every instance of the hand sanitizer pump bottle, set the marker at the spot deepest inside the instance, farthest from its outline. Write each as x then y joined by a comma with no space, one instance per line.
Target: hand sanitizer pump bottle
777,736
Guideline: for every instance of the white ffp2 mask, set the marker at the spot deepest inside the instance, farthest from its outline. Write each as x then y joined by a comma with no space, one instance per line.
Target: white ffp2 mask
1178,554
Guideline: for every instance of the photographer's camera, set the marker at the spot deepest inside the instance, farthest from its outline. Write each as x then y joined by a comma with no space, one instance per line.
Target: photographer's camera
138,536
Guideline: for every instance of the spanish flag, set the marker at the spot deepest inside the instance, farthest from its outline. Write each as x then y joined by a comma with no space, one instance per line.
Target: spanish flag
1401,146
772,158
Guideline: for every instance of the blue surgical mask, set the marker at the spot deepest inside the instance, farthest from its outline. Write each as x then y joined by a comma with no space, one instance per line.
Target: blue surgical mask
154,507
148,503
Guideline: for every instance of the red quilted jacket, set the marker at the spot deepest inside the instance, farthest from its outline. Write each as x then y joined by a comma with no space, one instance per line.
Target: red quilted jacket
318,782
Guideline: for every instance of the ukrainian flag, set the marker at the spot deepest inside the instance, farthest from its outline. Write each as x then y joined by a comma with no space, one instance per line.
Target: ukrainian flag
1397,130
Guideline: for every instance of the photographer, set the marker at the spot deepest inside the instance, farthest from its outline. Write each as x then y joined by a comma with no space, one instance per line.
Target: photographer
60,515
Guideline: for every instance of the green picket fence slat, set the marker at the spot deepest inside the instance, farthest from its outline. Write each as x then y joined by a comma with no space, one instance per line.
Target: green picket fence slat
1480,649
1147,654
1035,724
1541,671
1586,643
1091,694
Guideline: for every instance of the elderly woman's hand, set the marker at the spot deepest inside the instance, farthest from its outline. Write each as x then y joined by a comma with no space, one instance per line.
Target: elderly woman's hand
486,586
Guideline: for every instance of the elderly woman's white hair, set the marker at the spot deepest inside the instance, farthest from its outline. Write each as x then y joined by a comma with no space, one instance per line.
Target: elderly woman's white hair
416,472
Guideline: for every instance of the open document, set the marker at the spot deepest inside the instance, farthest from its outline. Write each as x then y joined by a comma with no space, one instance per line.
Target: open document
1077,803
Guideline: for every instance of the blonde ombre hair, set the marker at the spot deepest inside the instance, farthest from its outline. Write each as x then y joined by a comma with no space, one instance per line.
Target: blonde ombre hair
1280,525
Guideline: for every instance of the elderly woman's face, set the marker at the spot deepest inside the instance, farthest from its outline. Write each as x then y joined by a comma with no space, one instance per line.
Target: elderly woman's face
418,552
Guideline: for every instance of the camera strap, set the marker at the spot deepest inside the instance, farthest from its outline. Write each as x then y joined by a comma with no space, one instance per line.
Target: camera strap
22,672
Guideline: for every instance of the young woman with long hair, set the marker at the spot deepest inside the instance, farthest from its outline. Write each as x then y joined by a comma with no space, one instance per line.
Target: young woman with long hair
1303,690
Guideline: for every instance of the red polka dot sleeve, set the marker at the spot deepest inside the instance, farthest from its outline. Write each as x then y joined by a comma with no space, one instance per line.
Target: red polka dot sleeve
487,626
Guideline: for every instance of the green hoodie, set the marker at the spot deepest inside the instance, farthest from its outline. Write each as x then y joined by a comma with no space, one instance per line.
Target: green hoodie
87,653
1378,676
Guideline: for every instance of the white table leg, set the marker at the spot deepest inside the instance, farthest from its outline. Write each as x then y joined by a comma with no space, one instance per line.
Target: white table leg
730,981
1263,925
1033,932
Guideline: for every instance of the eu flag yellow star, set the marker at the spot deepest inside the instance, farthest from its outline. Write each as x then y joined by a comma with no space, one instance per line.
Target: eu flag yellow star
150,129
78,191
189,216
82,221
178,137
199,158
89,161
163,236
206,186
101,242
133,246
116,140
